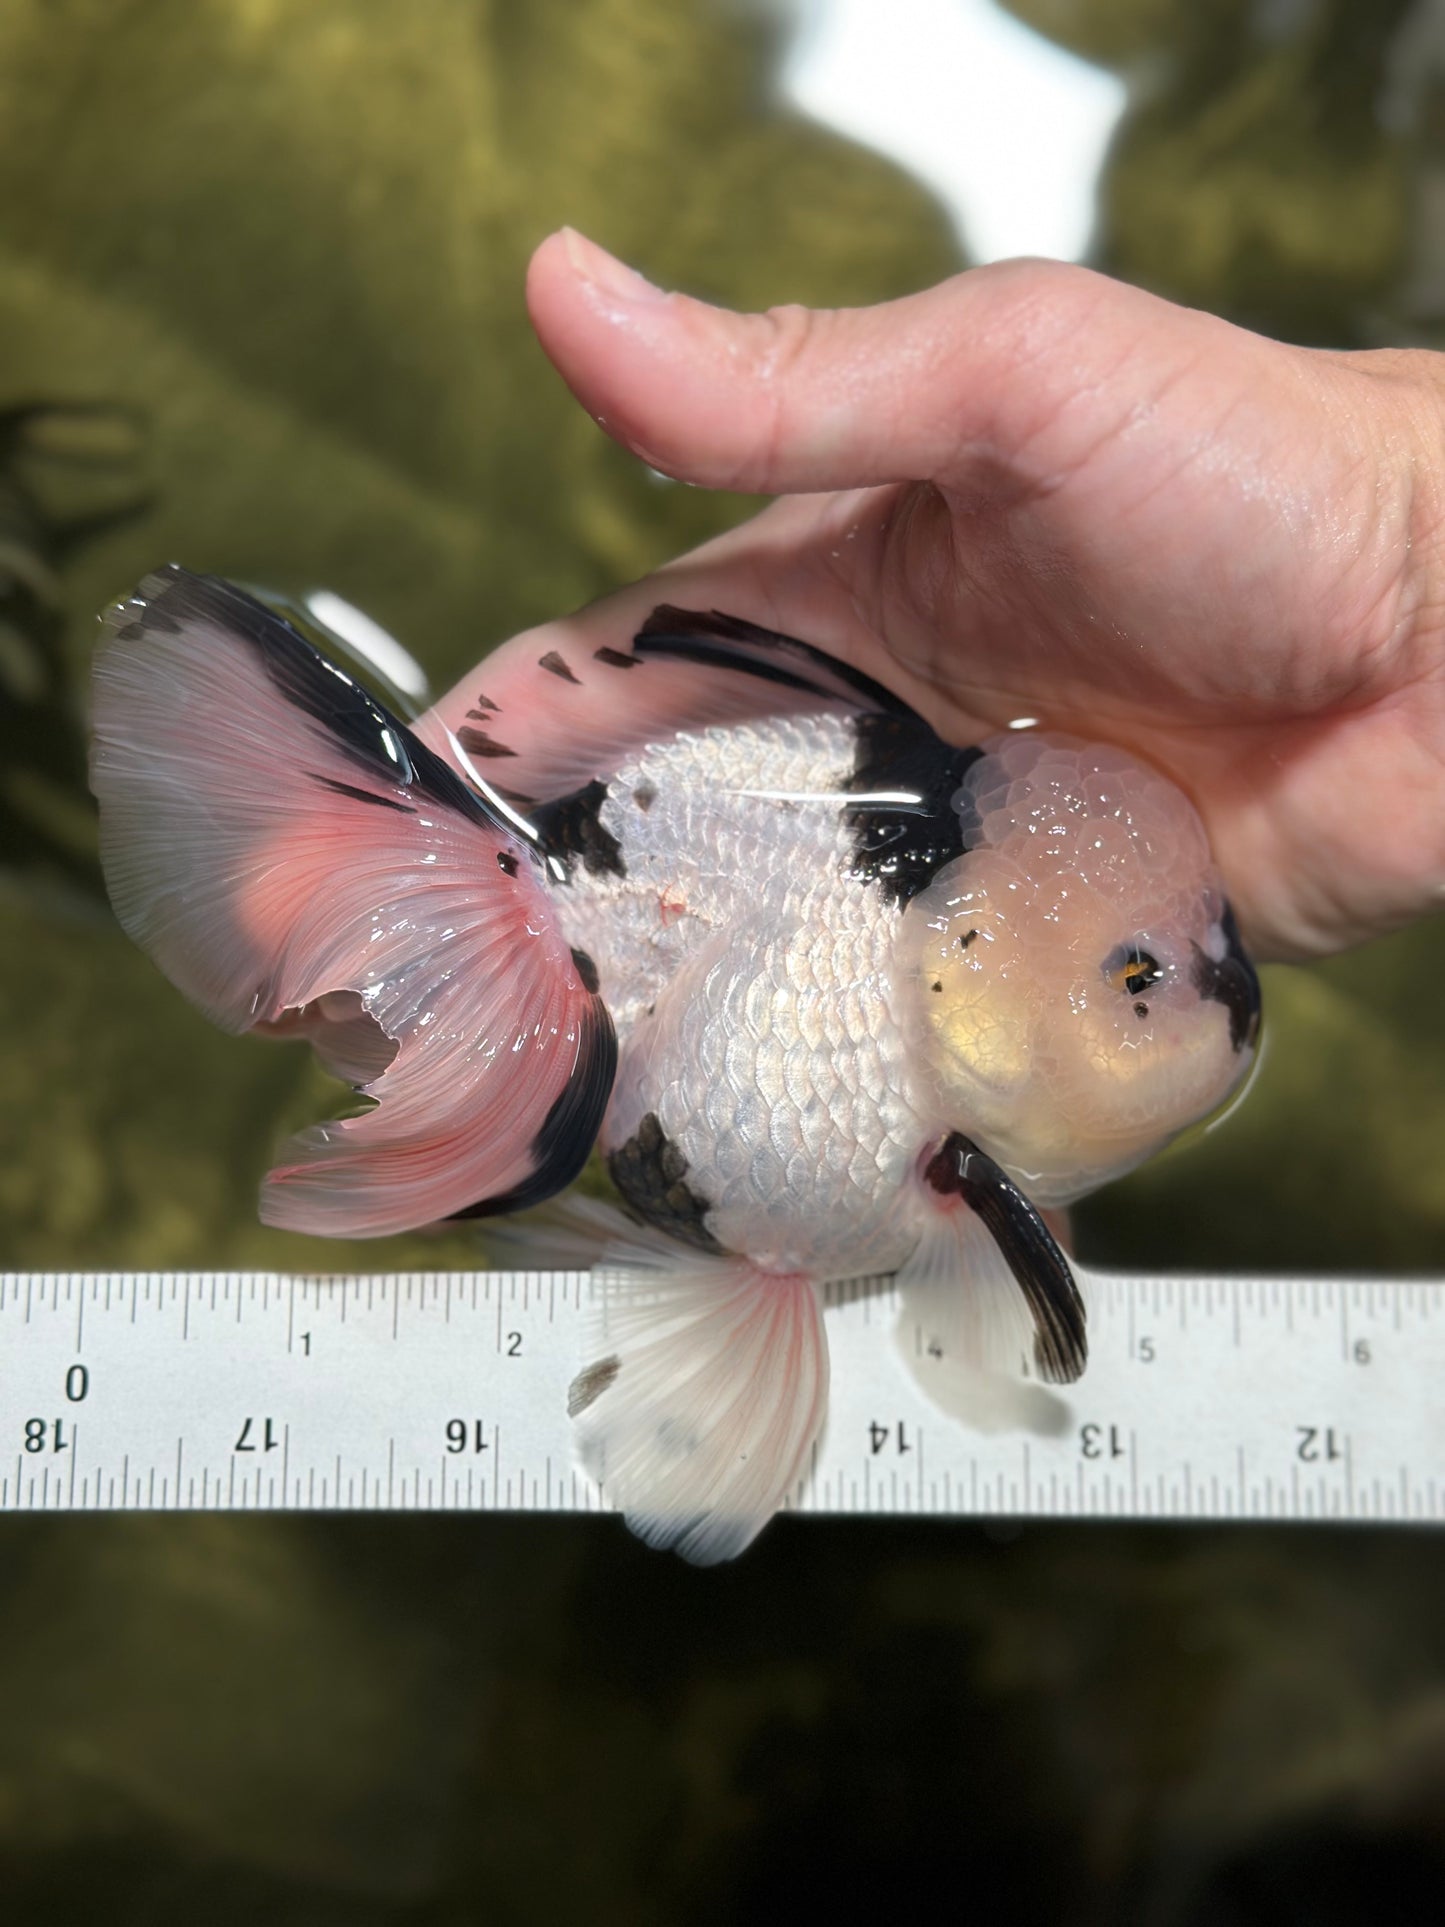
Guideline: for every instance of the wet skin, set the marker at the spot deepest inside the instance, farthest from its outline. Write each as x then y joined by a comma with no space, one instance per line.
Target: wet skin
1035,491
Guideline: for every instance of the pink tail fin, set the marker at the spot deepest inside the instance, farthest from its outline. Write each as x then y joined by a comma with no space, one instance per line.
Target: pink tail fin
709,1386
295,859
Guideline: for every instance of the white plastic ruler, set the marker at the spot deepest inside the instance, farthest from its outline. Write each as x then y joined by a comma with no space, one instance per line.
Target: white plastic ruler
1205,1398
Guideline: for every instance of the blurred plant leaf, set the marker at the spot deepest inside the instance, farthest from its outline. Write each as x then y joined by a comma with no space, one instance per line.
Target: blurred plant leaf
1254,173
68,475
1120,32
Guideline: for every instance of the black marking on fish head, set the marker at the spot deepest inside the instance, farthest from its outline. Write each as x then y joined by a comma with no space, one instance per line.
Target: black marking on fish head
556,665
650,1172
902,846
1232,981
959,1169
616,658
572,827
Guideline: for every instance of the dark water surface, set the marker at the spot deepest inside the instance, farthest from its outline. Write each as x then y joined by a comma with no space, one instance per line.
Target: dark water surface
260,311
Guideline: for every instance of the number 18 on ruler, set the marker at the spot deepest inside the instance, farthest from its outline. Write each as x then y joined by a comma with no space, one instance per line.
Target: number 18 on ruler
1204,1398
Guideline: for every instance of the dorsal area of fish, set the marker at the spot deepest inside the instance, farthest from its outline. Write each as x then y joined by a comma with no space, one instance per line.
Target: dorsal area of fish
790,823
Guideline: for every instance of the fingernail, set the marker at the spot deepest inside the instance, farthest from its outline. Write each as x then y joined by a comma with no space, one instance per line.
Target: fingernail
605,271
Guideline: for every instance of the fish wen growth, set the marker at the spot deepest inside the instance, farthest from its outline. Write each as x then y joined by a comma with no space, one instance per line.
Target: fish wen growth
832,997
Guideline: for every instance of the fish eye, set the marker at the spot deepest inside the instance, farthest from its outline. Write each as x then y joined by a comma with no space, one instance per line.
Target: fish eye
1132,970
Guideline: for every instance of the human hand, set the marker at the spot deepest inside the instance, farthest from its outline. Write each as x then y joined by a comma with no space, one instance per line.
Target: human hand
1035,491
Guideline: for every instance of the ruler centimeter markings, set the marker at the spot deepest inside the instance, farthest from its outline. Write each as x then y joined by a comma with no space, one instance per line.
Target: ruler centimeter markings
1205,1398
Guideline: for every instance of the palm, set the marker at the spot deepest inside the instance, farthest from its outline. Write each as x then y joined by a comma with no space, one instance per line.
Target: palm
1252,630
1132,521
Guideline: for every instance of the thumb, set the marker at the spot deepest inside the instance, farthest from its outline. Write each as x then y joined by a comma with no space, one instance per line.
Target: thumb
801,399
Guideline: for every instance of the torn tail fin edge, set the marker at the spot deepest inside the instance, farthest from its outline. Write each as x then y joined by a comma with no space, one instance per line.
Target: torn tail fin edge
294,858
454,1158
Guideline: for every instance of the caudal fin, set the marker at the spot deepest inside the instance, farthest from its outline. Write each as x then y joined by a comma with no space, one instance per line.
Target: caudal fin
296,860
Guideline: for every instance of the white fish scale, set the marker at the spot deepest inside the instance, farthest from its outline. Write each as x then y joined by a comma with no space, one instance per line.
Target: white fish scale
801,1165
772,1056
697,853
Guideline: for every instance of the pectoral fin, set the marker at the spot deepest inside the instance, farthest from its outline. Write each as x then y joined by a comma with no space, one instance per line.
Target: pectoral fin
987,1289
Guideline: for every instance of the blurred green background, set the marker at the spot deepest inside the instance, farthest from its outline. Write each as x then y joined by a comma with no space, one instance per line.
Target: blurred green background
260,311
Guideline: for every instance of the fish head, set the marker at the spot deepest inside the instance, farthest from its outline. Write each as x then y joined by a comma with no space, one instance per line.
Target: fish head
1076,988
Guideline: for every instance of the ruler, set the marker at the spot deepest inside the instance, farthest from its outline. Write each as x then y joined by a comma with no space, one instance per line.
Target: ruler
1205,1398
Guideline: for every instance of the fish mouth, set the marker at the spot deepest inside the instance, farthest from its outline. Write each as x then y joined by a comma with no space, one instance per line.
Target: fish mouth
1231,980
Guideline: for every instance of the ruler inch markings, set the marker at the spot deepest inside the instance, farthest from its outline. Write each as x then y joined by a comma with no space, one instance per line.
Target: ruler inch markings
1256,1397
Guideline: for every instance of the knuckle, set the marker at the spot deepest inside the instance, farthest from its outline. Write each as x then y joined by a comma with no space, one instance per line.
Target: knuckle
787,337
788,334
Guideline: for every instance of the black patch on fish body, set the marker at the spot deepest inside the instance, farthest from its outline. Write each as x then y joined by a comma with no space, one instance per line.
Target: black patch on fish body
903,846
556,665
484,706
616,658
650,1172
959,1169
569,1130
1232,982
573,827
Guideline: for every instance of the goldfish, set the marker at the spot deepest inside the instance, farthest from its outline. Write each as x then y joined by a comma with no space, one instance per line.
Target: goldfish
832,997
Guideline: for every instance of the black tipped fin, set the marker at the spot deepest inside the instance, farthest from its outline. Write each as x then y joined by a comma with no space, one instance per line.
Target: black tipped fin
958,1169
714,640
552,725
564,1143
295,857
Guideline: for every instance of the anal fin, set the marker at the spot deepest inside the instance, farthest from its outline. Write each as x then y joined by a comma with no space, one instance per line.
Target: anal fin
707,1386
